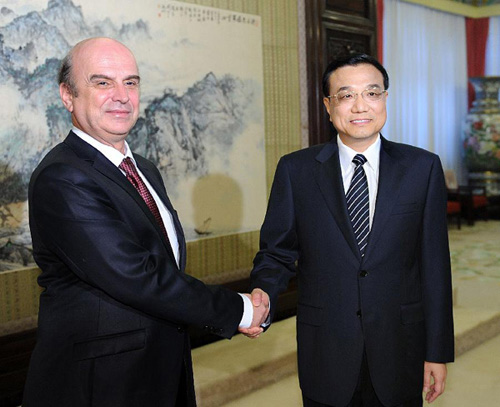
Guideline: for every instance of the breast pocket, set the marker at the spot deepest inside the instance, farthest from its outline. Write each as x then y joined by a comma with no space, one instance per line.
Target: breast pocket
403,208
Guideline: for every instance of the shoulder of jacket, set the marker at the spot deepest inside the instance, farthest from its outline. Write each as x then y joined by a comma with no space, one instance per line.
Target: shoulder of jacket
305,153
409,152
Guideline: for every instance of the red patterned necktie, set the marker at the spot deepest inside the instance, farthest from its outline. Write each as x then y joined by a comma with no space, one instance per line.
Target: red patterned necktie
128,166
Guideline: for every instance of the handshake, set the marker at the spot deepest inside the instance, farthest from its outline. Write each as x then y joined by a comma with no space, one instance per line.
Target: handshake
260,302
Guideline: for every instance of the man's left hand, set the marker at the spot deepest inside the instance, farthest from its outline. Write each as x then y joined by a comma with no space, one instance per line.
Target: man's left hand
438,372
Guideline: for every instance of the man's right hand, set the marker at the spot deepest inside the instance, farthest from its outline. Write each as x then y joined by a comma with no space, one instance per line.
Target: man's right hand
260,302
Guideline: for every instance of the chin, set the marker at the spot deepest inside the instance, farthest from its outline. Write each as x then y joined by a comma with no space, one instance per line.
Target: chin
122,129
364,135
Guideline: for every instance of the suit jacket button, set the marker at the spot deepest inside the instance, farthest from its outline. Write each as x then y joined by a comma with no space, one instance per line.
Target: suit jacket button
180,329
363,273
358,313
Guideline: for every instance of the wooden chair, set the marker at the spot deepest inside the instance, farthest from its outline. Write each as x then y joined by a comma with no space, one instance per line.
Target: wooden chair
473,200
454,208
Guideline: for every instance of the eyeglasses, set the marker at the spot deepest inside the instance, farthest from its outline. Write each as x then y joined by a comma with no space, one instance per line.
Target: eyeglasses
345,97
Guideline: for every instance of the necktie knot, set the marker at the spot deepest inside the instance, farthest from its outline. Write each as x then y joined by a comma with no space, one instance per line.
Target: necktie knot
128,166
359,159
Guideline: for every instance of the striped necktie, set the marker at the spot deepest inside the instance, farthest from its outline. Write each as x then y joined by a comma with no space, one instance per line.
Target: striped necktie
358,203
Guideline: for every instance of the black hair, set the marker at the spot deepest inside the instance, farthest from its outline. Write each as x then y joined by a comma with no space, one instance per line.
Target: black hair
352,60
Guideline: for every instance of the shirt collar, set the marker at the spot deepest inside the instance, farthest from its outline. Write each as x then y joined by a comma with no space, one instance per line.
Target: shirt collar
372,154
112,154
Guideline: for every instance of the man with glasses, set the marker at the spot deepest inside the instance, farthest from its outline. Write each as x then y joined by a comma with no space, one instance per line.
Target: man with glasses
361,221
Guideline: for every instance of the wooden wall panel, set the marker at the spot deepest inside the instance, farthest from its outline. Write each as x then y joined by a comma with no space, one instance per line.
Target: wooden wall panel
335,28
351,7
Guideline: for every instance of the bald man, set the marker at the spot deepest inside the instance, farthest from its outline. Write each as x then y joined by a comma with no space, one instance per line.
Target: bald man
116,300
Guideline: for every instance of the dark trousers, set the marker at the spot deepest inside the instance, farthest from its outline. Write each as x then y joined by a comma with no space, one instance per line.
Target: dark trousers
364,395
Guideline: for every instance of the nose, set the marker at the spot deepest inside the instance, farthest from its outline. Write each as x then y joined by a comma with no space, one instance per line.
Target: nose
359,105
120,94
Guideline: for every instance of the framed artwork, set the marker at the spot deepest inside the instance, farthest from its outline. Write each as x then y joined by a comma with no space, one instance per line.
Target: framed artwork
202,105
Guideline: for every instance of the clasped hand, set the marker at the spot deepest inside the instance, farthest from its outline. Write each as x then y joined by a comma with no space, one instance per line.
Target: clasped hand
260,302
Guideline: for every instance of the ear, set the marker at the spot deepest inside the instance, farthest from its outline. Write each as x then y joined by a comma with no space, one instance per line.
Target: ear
66,96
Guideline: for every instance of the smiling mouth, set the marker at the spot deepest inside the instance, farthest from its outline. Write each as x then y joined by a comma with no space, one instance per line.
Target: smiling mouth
119,112
360,121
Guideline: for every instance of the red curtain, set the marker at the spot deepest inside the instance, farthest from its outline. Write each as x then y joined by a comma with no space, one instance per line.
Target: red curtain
380,30
477,33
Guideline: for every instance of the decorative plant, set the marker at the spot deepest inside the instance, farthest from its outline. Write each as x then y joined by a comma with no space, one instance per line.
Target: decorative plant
482,143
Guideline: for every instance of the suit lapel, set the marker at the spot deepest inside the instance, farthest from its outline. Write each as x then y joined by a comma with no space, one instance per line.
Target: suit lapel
391,173
99,162
160,190
328,175
106,168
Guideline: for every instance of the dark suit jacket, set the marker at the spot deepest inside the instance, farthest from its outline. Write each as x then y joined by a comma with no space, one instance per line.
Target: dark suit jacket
113,313
395,302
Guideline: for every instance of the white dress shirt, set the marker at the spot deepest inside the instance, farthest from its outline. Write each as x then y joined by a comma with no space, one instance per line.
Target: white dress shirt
116,157
371,167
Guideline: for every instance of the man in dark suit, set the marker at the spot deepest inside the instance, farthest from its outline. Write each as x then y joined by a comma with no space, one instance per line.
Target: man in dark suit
361,221
111,328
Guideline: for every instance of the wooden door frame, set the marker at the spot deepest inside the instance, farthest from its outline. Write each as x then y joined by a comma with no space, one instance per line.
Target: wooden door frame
318,20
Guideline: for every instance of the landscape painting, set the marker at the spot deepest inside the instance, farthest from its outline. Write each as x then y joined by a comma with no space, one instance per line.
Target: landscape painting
201,120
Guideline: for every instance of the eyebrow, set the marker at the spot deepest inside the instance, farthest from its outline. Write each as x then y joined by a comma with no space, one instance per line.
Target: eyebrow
100,76
370,86
343,88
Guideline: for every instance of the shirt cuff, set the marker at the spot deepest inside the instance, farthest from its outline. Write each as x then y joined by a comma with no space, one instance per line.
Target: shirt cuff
246,319
267,322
